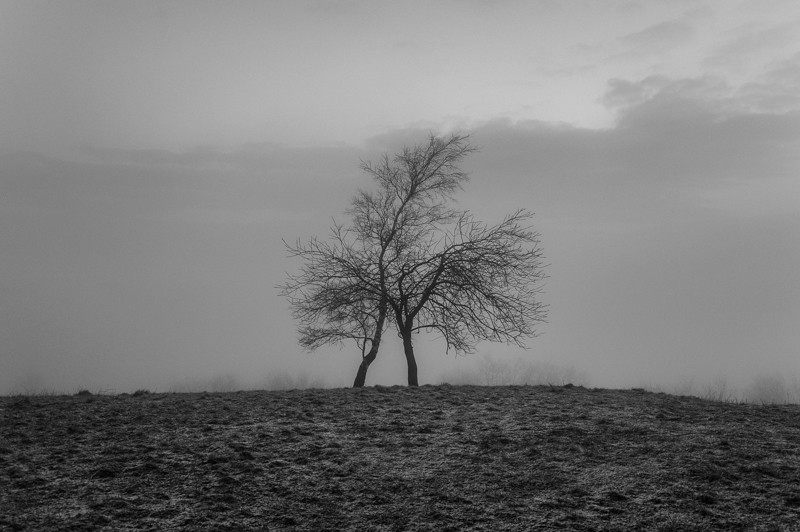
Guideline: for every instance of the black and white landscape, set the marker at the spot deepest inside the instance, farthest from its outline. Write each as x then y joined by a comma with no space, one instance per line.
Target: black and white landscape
159,161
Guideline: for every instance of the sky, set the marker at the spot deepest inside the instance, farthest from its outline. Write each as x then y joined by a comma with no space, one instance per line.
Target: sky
154,155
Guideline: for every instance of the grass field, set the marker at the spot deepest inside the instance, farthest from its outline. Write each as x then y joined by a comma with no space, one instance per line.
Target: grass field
432,458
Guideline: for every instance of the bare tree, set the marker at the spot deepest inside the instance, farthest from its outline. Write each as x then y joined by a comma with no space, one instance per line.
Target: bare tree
341,292
408,258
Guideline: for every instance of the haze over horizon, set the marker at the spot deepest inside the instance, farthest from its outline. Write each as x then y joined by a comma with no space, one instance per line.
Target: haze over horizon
154,155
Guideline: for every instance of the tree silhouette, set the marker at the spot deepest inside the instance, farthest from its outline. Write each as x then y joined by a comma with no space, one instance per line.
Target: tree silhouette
408,258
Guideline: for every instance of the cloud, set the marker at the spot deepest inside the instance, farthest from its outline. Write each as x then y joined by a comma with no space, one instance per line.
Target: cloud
625,94
660,37
749,43
778,90
702,130
687,131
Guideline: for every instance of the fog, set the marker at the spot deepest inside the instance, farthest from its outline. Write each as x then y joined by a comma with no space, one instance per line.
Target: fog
130,270
139,253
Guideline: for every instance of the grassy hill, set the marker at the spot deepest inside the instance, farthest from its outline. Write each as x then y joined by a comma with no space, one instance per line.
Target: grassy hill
432,458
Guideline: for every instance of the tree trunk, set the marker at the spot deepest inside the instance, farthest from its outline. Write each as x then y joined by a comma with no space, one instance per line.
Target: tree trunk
361,375
408,348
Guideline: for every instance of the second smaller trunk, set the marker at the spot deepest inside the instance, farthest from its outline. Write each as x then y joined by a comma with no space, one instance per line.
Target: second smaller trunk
361,375
369,358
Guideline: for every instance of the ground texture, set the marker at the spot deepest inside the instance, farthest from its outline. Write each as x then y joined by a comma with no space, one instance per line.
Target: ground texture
433,458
